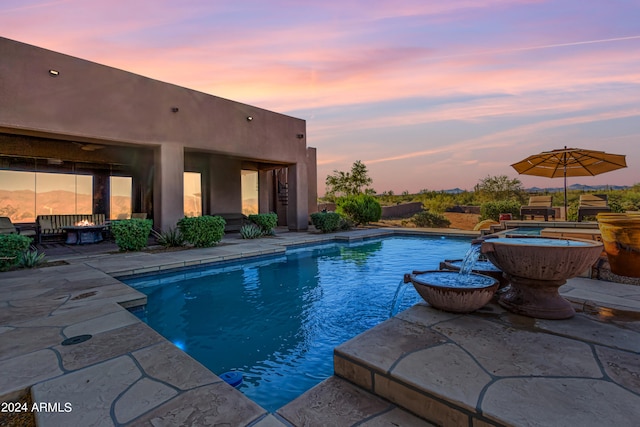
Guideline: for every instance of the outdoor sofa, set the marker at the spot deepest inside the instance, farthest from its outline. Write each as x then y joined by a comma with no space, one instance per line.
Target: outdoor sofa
53,225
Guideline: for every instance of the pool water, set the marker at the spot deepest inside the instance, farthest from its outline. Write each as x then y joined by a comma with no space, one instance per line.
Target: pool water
278,319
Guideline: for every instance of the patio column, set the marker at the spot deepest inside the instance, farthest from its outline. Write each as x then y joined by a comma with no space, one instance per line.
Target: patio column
225,185
265,184
298,208
168,186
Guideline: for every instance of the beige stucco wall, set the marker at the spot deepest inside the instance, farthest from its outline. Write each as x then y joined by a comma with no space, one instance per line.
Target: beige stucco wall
89,102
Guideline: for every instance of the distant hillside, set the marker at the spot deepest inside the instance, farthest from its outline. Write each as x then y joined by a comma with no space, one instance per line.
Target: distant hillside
579,187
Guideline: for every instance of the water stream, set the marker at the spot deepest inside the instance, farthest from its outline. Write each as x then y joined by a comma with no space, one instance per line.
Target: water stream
398,297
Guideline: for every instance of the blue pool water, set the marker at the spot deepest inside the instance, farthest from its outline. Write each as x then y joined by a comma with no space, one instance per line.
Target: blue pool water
278,319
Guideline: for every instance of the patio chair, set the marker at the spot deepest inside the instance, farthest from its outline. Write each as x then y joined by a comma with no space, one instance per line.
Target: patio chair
538,206
592,204
7,227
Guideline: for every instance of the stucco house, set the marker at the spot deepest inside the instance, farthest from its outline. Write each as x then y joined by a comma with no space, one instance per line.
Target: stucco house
173,150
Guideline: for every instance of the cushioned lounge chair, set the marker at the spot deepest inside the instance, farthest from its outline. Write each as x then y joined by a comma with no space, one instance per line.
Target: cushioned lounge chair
592,204
7,227
538,206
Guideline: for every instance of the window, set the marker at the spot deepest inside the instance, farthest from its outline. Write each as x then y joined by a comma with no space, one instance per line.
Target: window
192,194
249,192
120,197
24,195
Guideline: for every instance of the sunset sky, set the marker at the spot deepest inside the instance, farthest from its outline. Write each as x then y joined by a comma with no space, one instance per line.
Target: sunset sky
428,94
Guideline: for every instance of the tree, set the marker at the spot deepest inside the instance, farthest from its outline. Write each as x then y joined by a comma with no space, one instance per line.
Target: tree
348,183
500,188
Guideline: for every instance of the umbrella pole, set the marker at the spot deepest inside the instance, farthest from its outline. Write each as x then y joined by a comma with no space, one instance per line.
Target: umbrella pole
566,214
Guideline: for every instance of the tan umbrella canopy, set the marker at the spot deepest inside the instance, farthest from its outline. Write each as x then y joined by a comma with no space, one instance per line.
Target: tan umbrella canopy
569,162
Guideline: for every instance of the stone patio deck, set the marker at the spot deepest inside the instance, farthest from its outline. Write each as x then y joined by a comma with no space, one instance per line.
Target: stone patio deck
487,368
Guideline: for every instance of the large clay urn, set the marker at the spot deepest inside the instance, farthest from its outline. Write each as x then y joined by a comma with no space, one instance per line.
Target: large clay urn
621,237
536,267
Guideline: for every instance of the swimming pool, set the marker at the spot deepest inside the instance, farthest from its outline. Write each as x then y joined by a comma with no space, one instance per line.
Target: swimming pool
278,319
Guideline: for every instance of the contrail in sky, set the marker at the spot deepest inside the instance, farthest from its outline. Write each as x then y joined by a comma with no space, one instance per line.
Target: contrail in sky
546,46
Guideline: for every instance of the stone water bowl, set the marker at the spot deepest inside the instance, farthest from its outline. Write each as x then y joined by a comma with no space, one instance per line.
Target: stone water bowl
449,291
536,268
484,267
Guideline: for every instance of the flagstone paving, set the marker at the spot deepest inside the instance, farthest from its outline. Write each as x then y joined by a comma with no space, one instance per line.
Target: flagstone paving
423,367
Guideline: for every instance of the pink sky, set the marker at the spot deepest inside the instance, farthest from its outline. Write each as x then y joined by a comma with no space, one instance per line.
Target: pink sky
428,94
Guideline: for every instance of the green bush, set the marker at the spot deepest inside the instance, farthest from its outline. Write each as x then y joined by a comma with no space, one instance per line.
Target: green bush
172,238
266,222
326,222
202,231
428,219
250,231
361,209
492,210
131,234
12,246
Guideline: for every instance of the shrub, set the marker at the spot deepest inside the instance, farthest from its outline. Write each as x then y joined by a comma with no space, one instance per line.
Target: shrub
326,222
131,234
11,248
430,220
202,231
266,222
361,209
250,231
31,258
492,210
172,238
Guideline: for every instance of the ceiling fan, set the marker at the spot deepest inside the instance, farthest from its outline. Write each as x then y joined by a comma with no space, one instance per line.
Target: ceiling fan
89,147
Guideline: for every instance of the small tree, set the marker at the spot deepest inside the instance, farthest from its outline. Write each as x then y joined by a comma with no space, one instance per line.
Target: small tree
348,183
500,188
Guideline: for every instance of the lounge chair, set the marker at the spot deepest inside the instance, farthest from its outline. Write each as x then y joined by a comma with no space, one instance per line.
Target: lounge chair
7,227
538,206
592,204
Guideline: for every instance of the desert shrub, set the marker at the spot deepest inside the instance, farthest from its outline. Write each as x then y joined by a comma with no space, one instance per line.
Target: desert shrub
266,222
171,238
11,248
131,234
361,209
430,220
202,231
31,258
492,210
326,222
251,231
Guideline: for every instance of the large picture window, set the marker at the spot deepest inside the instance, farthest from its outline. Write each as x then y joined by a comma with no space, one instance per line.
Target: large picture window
249,192
192,194
120,196
25,195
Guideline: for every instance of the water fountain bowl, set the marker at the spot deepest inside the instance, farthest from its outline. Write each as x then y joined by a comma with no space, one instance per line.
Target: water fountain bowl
448,291
536,268
486,268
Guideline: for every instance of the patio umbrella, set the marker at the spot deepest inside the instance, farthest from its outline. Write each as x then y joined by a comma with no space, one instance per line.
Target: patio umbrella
569,162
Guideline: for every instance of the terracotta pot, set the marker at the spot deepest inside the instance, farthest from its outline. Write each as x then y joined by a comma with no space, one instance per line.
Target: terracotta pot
621,238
